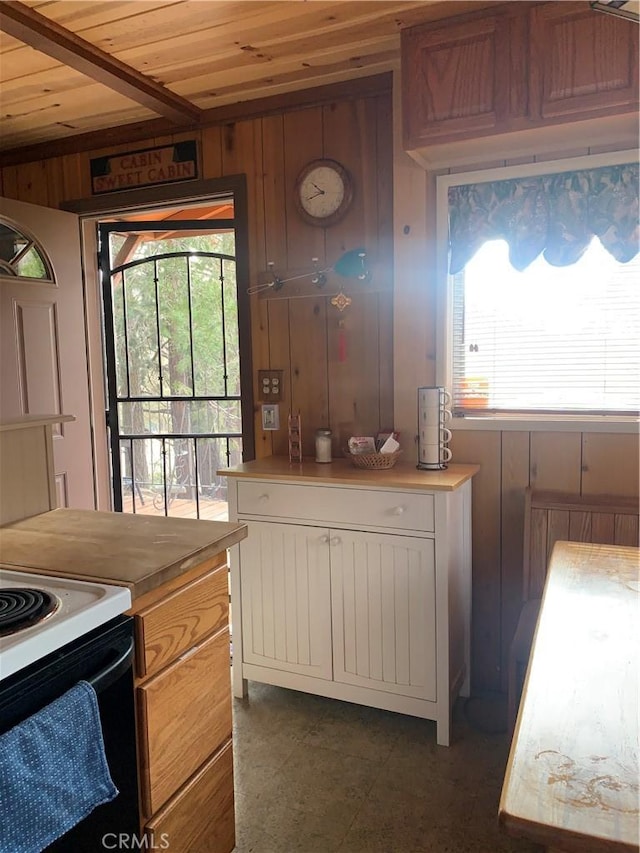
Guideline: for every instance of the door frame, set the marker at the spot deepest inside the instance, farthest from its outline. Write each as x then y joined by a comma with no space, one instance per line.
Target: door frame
90,212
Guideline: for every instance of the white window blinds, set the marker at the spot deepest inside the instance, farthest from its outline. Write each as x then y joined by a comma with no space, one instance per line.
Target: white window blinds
546,339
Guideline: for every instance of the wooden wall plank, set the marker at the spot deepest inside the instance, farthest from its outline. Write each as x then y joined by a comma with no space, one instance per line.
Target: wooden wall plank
555,461
484,448
275,214
580,526
349,137
610,464
260,356
309,380
558,529
280,359
211,152
602,527
383,270
55,183
353,358
626,530
515,479
303,143
385,349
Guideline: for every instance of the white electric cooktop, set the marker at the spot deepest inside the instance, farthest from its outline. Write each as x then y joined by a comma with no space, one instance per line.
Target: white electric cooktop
81,606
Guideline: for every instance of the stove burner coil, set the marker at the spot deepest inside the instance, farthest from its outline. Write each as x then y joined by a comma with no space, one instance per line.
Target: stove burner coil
23,607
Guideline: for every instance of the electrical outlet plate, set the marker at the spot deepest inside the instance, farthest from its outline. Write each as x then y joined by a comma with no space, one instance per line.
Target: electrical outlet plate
270,385
270,416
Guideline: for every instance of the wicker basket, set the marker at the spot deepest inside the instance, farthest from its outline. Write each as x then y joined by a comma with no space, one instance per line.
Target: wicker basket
374,461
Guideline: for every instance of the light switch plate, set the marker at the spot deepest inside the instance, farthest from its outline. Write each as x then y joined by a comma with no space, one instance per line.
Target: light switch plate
270,416
270,385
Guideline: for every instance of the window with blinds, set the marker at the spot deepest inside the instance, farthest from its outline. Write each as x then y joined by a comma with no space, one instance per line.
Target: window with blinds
556,340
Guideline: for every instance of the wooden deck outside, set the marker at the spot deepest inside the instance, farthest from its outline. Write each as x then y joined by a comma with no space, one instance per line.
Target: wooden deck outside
210,510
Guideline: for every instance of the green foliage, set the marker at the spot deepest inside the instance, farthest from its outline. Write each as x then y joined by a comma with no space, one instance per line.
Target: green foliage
179,348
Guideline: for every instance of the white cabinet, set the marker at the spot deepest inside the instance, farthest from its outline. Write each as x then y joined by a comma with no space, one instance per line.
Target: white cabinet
354,585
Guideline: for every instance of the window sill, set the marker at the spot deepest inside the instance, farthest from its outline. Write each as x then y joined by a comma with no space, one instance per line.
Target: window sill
547,423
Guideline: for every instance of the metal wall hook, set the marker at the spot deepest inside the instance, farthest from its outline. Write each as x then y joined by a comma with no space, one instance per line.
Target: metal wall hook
351,264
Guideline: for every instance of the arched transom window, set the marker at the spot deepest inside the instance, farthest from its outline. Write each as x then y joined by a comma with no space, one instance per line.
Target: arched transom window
21,256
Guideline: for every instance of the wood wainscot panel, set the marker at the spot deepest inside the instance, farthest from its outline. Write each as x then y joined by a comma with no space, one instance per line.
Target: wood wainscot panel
555,461
610,464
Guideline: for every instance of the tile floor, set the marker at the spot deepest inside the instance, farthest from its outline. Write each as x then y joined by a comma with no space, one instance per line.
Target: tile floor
316,775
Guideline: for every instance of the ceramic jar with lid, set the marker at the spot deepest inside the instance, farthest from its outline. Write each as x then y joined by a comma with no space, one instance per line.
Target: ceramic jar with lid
323,445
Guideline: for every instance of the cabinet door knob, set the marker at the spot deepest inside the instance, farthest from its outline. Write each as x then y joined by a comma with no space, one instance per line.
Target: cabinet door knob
325,539
398,510
335,540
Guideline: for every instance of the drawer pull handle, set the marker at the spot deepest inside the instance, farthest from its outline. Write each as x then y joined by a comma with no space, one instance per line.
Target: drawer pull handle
264,497
335,540
398,510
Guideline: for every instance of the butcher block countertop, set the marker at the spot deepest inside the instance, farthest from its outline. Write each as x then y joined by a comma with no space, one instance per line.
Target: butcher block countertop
573,776
403,475
141,552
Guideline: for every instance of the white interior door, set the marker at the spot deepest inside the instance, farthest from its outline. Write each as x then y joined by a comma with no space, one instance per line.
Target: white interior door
43,345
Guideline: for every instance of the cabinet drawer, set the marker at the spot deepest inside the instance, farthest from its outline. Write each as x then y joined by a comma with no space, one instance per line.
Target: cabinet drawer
329,505
201,816
185,717
179,621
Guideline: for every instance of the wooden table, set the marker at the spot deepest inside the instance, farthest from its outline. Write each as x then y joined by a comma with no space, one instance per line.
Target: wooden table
572,779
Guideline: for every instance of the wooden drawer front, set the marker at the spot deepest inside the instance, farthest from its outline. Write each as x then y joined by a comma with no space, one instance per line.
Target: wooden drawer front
186,716
181,620
393,509
201,816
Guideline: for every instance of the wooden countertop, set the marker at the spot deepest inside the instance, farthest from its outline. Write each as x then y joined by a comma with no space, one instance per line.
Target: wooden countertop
573,775
403,475
138,551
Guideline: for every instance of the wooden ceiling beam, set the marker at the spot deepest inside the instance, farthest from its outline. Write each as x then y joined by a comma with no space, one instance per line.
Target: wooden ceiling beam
42,34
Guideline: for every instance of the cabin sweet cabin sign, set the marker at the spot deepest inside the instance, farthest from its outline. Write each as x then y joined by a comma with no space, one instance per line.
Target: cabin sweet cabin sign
129,170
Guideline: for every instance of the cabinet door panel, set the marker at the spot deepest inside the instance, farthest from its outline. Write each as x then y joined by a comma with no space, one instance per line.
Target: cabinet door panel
383,595
286,616
581,61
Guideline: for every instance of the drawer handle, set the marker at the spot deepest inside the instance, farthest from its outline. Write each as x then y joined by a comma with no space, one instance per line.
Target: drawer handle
335,540
263,497
398,510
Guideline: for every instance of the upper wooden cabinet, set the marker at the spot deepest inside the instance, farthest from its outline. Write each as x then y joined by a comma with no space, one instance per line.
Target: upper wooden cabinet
507,81
581,62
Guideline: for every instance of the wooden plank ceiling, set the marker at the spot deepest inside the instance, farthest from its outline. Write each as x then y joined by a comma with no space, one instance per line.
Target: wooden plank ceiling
70,67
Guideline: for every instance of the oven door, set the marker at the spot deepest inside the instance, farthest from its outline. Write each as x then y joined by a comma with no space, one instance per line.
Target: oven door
104,658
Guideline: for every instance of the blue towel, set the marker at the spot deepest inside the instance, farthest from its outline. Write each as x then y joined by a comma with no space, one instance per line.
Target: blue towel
53,772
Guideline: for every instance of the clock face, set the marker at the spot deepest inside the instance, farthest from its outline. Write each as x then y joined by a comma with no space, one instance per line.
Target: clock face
323,192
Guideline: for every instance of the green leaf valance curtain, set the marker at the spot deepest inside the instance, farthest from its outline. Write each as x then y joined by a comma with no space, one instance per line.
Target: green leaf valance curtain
556,215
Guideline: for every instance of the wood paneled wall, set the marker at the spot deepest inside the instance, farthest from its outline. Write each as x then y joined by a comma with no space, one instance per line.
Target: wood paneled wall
592,463
301,331
337,366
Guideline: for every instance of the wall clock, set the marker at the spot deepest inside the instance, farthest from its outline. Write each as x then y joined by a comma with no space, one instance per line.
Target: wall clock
323,192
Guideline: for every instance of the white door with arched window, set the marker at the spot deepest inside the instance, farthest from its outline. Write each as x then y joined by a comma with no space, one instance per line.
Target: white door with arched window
42,337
